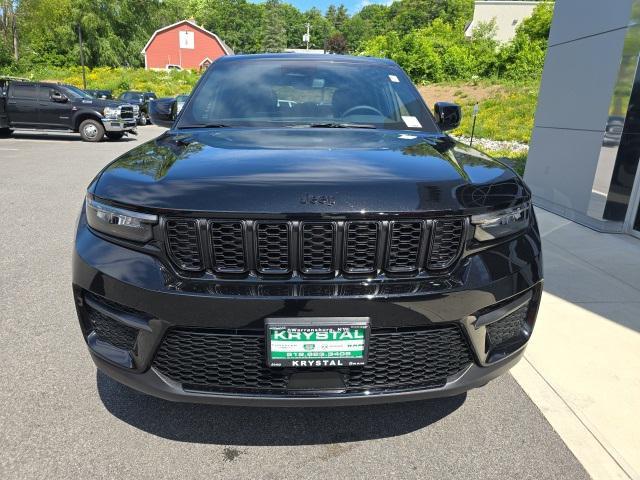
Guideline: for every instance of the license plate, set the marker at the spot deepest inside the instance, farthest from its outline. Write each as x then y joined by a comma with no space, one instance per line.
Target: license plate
317,342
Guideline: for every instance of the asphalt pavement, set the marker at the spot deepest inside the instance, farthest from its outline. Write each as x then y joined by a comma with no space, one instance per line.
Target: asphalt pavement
60,419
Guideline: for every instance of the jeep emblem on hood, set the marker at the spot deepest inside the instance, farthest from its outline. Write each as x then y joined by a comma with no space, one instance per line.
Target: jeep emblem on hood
308,199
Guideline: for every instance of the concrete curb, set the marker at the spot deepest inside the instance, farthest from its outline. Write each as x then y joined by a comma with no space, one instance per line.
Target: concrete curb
600,460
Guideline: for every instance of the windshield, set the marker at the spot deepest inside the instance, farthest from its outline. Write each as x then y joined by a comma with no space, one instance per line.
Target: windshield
299,93
75,92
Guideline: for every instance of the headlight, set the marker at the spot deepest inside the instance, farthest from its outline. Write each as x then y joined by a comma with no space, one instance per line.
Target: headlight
503,223
136,109
110,112
120,222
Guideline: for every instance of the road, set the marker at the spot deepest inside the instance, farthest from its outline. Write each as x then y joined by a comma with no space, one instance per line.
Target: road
61,419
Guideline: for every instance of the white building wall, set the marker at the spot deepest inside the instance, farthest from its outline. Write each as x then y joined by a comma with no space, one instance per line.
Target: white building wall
508,15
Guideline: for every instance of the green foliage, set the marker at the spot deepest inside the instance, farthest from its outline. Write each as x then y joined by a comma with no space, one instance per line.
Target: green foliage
337,44
114,32
437,52
408,15
507,115
275,36
120,79
238,22
538,25
523,58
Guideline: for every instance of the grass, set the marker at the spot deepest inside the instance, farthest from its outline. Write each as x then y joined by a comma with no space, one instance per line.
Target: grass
506,117
506,109
165,84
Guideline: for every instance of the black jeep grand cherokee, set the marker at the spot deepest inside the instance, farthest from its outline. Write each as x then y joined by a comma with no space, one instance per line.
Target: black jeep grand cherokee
306,234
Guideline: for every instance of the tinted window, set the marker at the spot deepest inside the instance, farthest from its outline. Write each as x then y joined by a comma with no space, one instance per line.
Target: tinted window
45,92
269,92
26,91
74,92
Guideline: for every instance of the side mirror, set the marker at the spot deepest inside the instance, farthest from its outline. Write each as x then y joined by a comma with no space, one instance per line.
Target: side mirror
58,97
163,111
448,115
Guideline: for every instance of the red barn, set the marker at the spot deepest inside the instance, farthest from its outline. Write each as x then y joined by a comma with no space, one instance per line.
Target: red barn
183,44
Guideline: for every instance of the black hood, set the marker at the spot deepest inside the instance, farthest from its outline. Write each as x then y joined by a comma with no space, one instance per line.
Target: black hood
289,171
98,102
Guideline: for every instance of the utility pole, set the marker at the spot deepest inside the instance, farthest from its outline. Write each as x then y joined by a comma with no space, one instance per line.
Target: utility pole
84,78
307,36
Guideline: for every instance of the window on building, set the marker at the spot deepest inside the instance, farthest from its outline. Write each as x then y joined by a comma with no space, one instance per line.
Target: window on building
187,40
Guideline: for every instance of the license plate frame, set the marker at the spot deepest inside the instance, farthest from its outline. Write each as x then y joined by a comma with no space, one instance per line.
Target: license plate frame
358,327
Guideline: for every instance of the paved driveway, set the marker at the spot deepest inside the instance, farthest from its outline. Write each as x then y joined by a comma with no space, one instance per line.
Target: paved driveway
61,419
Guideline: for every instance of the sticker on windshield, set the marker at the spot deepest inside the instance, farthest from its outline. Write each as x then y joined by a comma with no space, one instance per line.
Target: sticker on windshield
394,79
411,122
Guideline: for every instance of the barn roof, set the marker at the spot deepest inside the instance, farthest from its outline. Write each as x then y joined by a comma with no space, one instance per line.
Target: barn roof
224,46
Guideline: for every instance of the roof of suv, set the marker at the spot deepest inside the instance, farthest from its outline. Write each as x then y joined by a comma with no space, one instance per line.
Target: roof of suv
318,57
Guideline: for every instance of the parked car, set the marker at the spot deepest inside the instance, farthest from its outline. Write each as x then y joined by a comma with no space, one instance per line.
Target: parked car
339,250
140,100
180,101
103,94
53,106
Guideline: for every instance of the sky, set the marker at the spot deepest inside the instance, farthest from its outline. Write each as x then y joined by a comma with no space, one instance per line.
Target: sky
353,6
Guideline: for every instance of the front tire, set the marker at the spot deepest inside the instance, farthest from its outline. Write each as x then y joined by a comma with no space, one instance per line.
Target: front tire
5,132
91,130
115,135
143,120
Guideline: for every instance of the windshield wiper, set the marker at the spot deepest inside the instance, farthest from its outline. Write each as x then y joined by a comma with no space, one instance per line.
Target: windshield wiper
206,125
338,125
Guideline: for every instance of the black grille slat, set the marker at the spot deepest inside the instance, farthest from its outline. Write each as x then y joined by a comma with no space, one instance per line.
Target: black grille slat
446,243
361,247
404,246
211,361
228,247
184,243
318,243
273,247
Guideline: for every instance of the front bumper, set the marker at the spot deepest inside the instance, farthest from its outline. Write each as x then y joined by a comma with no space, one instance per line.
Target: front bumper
120,125
483,287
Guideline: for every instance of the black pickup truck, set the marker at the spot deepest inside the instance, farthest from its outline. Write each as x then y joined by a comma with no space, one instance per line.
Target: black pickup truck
53,106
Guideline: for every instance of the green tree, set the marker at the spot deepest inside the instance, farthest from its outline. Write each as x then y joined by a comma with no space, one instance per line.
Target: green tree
337,44
320,28
523,58
538,25
337,17
237,22
294,21
408,15
275,35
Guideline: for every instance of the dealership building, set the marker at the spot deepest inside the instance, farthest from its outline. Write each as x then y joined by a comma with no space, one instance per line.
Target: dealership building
586,139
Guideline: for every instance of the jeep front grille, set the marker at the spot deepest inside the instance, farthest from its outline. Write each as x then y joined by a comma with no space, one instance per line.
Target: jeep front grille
314,248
